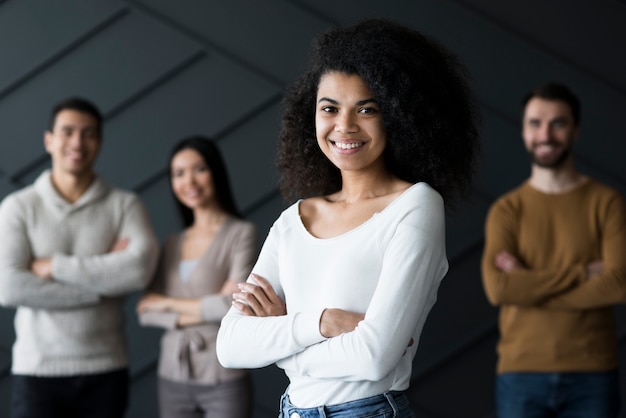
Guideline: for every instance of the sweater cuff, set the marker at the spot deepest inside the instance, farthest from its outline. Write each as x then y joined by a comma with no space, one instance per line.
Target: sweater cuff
582,274
61,267
167,320
214,307
306,328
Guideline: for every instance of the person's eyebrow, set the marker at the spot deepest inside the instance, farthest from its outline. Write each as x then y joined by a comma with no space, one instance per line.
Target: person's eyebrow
359,103
366,101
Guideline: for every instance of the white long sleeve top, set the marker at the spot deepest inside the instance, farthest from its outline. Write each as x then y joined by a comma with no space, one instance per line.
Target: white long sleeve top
389,267
74,323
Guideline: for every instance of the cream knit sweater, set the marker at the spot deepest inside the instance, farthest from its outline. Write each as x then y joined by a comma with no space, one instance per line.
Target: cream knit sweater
72,324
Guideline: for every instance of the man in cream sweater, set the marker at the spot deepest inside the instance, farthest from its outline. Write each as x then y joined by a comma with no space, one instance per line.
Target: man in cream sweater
72,248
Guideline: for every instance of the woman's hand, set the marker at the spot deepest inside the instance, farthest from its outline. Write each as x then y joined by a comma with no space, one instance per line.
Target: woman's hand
153,302
185,320
229,287
258,299
335,322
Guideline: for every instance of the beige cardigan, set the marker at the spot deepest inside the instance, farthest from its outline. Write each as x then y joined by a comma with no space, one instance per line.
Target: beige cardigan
188,353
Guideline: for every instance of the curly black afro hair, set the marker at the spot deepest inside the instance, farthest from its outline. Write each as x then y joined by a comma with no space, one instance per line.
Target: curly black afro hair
428,110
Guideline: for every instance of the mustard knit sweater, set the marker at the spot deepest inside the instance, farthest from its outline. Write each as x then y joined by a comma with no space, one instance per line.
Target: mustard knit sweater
552,317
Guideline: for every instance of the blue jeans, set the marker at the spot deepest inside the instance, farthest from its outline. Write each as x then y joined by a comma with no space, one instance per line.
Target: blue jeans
388,405
562,395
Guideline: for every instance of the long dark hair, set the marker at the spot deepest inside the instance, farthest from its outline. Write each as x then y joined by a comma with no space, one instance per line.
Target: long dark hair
213,159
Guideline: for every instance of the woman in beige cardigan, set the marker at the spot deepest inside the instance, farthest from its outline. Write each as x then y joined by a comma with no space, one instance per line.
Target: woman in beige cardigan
199,270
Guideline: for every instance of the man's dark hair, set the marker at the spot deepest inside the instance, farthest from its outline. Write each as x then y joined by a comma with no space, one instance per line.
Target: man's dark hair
555,91
428,109
213,159
79,104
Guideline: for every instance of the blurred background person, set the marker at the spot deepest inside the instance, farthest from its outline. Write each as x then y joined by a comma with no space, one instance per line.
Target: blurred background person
554,263
199,270
73,248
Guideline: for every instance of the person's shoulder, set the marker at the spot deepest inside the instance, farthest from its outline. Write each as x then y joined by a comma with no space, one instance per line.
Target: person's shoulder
603,193
599,187
514,195
124,197
241,226
418,197
289,216
21,197
511,201
119,193
419,204
240,223
421,190
171,241
309,207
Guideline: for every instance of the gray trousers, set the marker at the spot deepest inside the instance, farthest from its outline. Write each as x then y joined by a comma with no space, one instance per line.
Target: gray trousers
231,399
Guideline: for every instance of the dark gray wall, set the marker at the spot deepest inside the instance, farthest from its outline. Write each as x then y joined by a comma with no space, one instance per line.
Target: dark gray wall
161,70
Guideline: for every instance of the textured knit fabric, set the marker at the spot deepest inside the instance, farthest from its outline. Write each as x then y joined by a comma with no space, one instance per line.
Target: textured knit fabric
552,317
188,353
389,267
72,324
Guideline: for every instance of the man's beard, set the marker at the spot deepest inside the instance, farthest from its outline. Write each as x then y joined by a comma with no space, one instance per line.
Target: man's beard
552,161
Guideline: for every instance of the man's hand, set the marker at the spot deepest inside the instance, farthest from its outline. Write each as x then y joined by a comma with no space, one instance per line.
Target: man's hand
42,268
153,302
594,268
119,245
507,262
258,299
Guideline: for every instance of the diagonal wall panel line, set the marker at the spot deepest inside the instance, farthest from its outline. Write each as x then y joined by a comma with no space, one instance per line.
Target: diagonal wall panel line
119,108
600,168
16,178
141,7
163,79
66,50
150,180
541,47
262,201
577,155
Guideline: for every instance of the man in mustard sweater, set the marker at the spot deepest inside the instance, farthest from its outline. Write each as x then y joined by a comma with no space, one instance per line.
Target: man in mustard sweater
555,263
72,248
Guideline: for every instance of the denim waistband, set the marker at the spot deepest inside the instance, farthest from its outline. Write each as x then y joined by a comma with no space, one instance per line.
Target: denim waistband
387,404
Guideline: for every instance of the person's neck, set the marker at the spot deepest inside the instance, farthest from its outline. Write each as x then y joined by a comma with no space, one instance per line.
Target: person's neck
356,187
556,180
71,186
208,218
